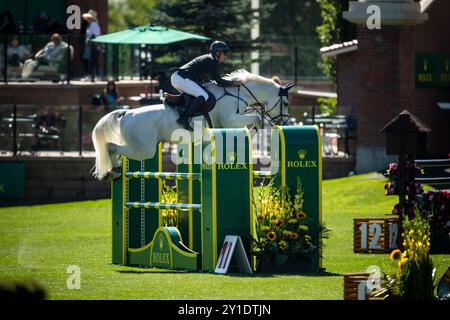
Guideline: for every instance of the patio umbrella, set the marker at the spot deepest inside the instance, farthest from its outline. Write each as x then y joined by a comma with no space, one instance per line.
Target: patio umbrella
150,34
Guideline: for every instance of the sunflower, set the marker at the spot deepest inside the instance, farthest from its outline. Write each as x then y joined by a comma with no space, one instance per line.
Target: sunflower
292,221
294,235
282,245
287,233
301,215
395,255
259,217
265,228
279,222
271,236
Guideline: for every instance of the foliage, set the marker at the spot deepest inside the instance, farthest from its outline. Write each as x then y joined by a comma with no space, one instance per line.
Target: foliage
281,224
435,206
129,13
280,36
169,195
412,188
334,29
414,278
327,105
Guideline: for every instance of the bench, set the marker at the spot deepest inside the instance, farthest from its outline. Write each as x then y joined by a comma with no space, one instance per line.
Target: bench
436,173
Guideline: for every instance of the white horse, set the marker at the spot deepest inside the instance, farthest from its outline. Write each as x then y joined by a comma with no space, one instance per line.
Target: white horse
136,133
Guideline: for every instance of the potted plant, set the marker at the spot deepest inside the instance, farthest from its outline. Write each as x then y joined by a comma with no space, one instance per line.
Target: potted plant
284,242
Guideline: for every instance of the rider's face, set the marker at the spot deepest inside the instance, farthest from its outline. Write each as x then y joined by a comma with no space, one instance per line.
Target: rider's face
221,56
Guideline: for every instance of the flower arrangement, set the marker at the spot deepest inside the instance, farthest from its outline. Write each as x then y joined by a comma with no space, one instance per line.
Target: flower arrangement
412,188
414,272
169,216
435,206
281,228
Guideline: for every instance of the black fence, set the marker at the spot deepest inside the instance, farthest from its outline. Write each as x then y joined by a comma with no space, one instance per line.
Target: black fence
30,129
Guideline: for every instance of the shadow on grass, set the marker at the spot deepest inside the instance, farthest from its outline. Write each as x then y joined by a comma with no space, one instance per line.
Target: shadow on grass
270,275
231,274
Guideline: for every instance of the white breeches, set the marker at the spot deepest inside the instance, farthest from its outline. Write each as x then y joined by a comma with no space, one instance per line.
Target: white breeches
187,86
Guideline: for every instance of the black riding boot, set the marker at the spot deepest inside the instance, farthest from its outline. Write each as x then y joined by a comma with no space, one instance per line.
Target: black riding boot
193,106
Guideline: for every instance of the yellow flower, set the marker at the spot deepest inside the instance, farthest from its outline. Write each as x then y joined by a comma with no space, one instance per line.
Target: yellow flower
294,235
292,221
259,217
271,236
265,228
282,245
287,233
395,255
399,266
274,222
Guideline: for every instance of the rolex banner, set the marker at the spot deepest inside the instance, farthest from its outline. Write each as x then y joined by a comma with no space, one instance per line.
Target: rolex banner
432,70
12,181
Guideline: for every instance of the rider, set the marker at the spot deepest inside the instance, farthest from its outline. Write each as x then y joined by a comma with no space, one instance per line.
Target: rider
186,78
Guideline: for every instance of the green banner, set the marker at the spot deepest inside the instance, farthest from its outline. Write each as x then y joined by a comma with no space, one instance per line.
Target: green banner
12,181
432,70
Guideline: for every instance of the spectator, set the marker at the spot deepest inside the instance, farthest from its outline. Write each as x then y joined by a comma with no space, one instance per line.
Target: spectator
110,96
40,23
55,27
17,53
20,28
91,50
53,53
7,23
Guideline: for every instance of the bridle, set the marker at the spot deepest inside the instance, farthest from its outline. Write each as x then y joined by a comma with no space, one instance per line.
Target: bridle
258,106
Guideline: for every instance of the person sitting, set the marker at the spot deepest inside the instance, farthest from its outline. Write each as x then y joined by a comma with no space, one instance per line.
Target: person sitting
110,96
52,54
17,53
186,78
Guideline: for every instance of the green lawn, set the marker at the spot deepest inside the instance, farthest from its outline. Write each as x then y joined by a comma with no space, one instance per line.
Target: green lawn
40,242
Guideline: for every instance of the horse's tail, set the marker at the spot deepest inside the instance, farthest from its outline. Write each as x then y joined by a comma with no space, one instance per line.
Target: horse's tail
105,131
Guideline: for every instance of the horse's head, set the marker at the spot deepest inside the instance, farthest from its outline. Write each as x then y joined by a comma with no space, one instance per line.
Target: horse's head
267,94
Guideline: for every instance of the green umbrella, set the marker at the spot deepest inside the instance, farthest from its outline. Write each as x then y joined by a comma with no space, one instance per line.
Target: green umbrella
150,34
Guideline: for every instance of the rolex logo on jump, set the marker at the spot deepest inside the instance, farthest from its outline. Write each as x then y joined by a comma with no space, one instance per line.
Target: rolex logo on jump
302,162
301,154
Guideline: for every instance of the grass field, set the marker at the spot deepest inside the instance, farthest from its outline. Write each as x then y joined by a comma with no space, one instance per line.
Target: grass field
40,242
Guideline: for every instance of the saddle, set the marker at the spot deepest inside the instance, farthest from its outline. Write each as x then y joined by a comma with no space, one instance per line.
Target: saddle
180,102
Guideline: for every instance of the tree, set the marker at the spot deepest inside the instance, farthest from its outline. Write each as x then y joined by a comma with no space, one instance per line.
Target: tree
129,13
291,24
334,29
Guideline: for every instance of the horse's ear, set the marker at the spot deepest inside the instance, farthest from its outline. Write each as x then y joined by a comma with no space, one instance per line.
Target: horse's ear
289,86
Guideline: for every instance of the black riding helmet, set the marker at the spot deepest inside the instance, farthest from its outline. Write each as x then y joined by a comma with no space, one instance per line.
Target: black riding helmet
218,46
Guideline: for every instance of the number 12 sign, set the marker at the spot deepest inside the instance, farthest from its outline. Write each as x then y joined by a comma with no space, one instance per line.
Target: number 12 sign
376,235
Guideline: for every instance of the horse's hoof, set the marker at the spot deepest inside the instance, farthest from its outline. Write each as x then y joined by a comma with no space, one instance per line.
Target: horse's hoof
106,177
115,173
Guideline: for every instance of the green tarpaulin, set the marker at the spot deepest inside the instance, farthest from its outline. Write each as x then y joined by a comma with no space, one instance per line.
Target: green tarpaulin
152,35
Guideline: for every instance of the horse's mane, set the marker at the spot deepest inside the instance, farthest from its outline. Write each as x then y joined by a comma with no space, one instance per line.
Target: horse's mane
246,76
